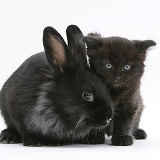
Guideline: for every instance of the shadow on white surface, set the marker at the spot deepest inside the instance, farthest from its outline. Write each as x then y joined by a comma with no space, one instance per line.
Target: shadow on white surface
146,149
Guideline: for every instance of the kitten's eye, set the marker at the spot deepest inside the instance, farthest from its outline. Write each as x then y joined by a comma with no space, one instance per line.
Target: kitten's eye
88,96
126,67
108,65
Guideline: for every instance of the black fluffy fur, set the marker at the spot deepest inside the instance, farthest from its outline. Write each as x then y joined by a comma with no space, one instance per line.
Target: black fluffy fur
42,101
123,85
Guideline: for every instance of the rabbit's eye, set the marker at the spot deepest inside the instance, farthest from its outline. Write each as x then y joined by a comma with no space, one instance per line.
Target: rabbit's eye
88,96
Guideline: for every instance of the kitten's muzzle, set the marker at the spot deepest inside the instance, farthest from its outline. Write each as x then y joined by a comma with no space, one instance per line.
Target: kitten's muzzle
117,78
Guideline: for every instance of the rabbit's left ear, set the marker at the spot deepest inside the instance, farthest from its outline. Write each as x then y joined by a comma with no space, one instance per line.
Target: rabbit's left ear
76,44
57,51
143,46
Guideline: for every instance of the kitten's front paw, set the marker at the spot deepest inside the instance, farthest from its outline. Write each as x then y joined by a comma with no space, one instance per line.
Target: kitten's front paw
139,134
123,140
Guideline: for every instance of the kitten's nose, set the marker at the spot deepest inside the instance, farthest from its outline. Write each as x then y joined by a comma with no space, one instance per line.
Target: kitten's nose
117,78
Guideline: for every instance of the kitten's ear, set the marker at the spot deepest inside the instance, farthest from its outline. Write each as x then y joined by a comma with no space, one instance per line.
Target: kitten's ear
142,46
92,42
98,35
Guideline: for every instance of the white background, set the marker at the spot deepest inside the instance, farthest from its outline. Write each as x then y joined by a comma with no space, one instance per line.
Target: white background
21,26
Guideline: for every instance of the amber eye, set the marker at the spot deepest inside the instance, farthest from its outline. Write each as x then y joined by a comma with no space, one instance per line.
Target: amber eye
108,65
88,96
126,67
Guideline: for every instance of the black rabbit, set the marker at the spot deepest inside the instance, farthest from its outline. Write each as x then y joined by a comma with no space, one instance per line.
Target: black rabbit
53,98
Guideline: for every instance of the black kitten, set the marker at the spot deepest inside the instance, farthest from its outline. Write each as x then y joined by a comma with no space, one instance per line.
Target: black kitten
120,64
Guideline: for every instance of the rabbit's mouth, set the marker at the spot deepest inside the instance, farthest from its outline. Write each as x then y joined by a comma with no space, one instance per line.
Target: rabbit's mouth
108,121
103,125
86,124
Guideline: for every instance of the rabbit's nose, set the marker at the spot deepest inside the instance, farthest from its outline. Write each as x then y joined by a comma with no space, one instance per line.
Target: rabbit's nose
108,120
109,116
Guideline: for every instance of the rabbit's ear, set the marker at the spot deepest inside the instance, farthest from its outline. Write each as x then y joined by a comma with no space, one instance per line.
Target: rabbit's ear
76,44
72,31
56,50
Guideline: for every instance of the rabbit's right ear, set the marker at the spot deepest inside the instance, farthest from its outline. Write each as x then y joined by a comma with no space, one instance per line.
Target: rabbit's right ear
56,50
72,31
76,44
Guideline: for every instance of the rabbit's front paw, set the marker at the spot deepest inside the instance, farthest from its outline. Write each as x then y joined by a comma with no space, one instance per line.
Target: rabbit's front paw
123,140
139,134
31,142
10,136
92,138
96,138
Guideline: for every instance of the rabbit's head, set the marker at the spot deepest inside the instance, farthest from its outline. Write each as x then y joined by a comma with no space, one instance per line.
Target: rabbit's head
83,102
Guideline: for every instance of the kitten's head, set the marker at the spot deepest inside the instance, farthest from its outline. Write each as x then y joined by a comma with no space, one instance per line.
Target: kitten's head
118,61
